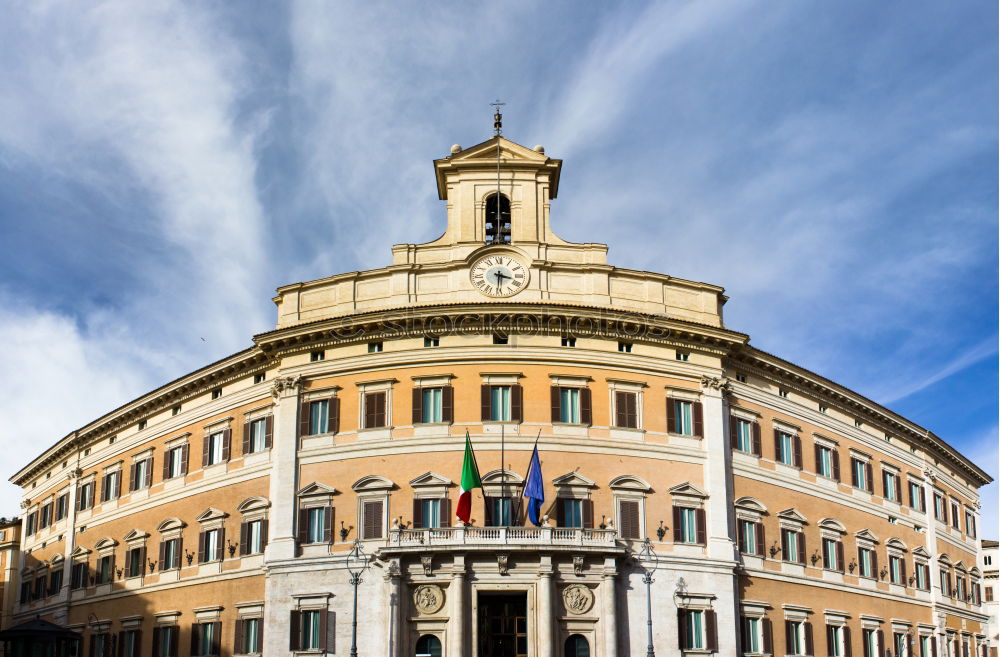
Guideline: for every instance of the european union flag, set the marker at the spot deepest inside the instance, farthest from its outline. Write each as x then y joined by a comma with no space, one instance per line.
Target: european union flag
534,489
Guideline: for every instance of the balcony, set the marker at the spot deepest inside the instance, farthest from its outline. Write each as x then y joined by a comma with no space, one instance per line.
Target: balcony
492,538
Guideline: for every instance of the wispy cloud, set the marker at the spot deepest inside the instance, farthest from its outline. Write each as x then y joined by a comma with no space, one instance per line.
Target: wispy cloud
979,352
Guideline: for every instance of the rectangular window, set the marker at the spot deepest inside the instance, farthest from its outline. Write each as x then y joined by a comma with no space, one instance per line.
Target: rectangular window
860,474
165,640
629,523
694,630
916,496
753,635
940,510
569,405
372,519
866,562
835,640
213,450
25,596
750,537
500,406
960,588
110,486
744,436
55,581
316,523
84,496
989,594
129,643
568,341
31,523
682,355
499,512
869,641
375,407
572,513
250,636
926,646
211,546
62,506
105,569
625,347
216,393
432,342
432,405
78,576
46,516
890,486
319,413
101,645
205,639
784,447
689,525
899,644
920,576
258,436
309,622
170,554
254,537
946,584
175,463
134,562
792,546
896,570
39,588
954,515
970,524
831,554
141,471
430,513
683,418
626,410
795,638
259,378
316,356
374,347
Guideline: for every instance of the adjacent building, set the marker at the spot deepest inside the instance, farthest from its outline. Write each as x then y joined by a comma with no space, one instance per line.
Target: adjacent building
784,513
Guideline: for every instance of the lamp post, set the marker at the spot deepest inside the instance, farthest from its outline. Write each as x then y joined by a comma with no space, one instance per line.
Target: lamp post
357,563
649,556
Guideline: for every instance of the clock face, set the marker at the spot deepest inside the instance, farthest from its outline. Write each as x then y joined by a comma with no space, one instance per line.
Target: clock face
499,276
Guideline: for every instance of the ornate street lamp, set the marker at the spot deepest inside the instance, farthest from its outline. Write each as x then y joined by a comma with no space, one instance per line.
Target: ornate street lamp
650,557
357,563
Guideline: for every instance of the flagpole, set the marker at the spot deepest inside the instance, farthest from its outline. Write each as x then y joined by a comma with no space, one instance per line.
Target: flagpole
524,484
503,471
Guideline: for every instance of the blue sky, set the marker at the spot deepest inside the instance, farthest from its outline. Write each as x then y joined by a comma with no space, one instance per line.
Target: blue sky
163,167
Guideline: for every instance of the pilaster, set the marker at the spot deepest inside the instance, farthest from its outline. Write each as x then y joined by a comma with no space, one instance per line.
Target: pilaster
544,611
457,611
609,607
284,469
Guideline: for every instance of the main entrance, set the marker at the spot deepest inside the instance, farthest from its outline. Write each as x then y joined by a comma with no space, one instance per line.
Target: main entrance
503,624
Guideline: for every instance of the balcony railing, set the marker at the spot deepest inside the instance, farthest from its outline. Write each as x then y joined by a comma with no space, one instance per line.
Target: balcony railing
444,536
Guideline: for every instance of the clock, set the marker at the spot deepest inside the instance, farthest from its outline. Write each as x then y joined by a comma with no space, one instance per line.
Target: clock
499,275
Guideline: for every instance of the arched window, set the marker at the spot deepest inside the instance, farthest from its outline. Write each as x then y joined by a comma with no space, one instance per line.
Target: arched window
428,646
577,646
498,226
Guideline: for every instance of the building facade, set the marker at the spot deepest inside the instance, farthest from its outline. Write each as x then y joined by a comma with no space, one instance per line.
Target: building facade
785,514
989,564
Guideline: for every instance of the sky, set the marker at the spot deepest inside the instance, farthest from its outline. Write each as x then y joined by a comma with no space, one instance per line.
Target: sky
165,166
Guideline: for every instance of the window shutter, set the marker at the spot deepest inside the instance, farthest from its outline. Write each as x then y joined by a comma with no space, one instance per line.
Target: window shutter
733,431
868,474
898,484
303,526
304,412
227,440
831,641
711,632
205,448
166,468
445,512
802,547
372,520
516,403
201,547
840,556
835,457
789,636
620,409
293,630
809,638
923,499
698,419
184,459
370,409
588,514
554,397
797,457
629,519
260,629
818,455
246,441
777,445
700,528
128,561
195,638
760,540
902,570
131,477
333,416
418,513
163,554
586,414
768,641
156,642
238,638
219,545
874,564
744,634
854,475
885,484
677,524
216,638
118,485
487,511
322,630
632,409
881,641
671,416
447,404
418,405
331,632
560,511
848,649
682,636
934,643
263,532
486,413
244,538
328,525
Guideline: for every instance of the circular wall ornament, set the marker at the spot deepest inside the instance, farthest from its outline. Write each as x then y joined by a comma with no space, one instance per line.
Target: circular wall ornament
578,599
499,275
428,598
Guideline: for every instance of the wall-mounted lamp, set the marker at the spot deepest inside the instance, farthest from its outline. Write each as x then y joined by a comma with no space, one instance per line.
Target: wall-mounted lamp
344,531
661,531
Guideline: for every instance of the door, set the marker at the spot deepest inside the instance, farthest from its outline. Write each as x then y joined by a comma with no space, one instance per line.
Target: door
503,624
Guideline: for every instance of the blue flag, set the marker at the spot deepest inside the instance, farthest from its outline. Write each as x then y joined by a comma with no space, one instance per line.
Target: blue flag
534,490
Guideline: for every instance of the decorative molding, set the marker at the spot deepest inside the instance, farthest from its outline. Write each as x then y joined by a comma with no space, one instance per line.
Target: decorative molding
286,384
578,599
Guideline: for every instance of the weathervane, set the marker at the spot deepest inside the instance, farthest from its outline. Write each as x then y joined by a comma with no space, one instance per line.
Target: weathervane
497,117
498,128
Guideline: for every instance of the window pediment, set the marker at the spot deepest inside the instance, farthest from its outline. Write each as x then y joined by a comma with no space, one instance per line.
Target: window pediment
316,489
211,513
136,535
866,535
921,552
896,544
630,483
80,552
430,479
574,479
687,489
106,543
750,504
372,483
171,524
792,515
497,477
944,560
832,525
253,504
57,559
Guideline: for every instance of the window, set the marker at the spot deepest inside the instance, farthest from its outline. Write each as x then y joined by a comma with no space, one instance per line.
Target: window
684,417
257,435
629,521
25,596
861,474
783,393
682,355
39,587
571,405
253,536
827,462
501,403
176,410
372,517
497,220
45,516
258,378
56,580
308,629
697,629
787,448
205,639
960,588
626,409
742,378
170,554
989,594
871,641
970,524
689,525
210,545
101,645
249,636
568,341
429,513
375,347
375,409
141,474
890,486
946,584
318,530
106,569
111,486
940,509
142,425
793,546
319,413
165,640
917,501
175,462
135,561
625,347
216,448
216,393
499,511
927,648
316,356
751,537
823,409
129,643
833,554
920,575
432,341
430,646
867,562
31,523
78,575
987,560
431,406
744,435
897,570
62,506
756,635
837,640
798,638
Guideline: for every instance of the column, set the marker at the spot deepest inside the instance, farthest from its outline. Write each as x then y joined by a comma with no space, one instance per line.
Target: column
395,609
284,470
718,481
609,607
456,617
543,609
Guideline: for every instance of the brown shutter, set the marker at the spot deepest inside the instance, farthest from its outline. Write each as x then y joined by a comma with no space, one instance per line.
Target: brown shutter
131,477
303,529
836,464
322,630
761,549
777,445
677,524
789,631
934,643
184,459
809,638
328,525
216,638
840,556
163,553
797,457
227,440
768,641
166,468
733,431
244,538
586,405
554,398
195,636
180,550
874,564
485,403
201,547
128,562
881,641
818,456
381,400
711,632
260,629
899,492
205,444
560,511
620,414
333,415
246,438
700,527
304,409
368,399
238,638
487,511
118,485
682,636
923,499
268,433
848,648
755,428
588,514
868,474
831,640
671,416
445,512
263,533
418,405
744,633
418,513
293,631
629,519
902,571
516,403
699,419
802,547
447,404
156,642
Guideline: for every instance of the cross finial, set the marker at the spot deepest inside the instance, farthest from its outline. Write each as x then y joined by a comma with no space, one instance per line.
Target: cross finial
497,117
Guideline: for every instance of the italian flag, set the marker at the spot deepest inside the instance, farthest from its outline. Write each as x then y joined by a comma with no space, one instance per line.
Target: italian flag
470,480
